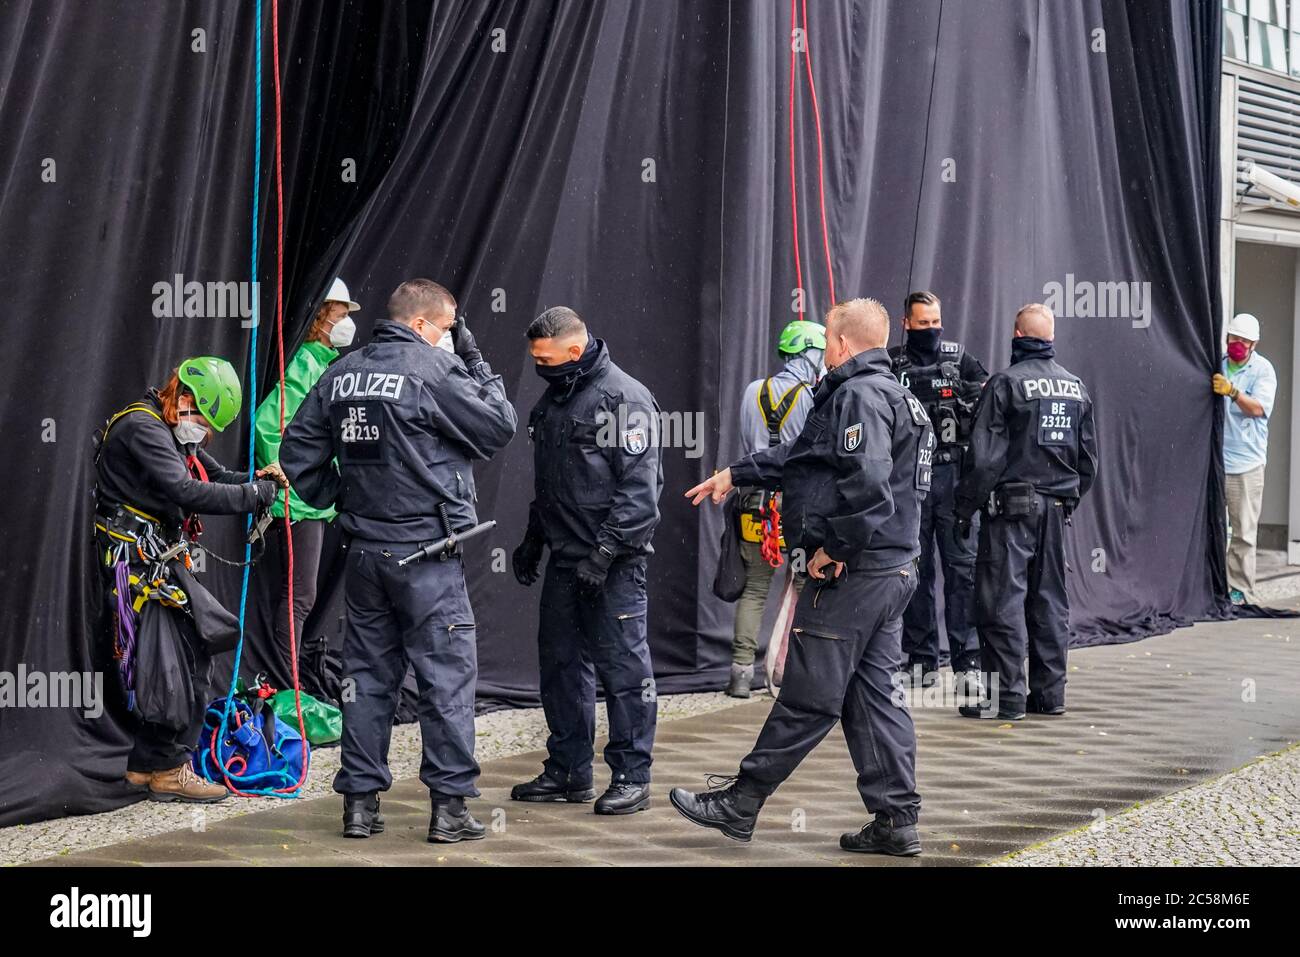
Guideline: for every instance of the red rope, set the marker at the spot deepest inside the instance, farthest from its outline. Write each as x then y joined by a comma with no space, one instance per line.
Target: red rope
279,331
821,181
794,187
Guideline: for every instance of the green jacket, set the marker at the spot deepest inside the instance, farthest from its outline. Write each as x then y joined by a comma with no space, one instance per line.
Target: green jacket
300,375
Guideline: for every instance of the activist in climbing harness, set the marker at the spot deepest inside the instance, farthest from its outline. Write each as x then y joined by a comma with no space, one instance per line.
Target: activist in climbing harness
772,411
159,626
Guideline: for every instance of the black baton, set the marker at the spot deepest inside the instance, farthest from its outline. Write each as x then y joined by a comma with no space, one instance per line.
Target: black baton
448,544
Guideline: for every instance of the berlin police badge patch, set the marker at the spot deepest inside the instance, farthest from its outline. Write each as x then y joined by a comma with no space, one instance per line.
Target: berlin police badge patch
852,437
634,442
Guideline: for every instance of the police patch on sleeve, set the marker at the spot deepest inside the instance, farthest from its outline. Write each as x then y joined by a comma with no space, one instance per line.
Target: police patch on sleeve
634,441
915,407
853,437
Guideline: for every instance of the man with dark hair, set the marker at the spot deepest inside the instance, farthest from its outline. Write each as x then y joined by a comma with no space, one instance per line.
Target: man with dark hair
947,379
853,480
597,478
388,436
1033,455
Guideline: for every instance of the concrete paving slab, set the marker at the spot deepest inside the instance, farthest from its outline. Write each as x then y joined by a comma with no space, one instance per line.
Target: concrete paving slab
1145,720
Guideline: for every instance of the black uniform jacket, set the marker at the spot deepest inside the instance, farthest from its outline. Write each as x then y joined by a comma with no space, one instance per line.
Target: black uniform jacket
854,479
388,434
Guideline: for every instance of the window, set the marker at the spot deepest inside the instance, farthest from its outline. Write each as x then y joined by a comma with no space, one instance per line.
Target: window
1265,33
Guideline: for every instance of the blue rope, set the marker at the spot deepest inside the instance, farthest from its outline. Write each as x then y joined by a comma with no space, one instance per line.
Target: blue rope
229,708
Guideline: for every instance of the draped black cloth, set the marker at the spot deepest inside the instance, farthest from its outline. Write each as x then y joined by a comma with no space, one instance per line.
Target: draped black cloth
630,159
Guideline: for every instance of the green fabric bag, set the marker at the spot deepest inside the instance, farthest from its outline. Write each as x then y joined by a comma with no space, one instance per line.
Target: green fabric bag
323,722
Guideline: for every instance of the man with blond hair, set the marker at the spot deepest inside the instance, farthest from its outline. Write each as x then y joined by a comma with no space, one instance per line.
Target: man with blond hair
853,482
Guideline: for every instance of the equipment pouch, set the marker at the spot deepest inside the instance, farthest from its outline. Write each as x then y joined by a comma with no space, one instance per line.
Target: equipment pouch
1015,500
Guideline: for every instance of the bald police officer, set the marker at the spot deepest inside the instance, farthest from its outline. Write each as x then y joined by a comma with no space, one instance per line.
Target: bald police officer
853,483
1033,455
388,436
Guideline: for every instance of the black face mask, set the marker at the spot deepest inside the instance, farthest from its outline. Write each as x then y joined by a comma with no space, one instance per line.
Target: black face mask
924,343
561,373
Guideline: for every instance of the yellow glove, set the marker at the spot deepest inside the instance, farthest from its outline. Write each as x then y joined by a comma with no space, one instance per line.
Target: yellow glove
1222,386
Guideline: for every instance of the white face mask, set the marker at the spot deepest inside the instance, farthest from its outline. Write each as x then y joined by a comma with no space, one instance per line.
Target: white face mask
343,333
189,433
445,343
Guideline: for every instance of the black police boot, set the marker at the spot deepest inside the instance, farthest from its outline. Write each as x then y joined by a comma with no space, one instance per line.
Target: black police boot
985,710
725,809
361,817
546,788
624,798
881,837
452,822
1034,705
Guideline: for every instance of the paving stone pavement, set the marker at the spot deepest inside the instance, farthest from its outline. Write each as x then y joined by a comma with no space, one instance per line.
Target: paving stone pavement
1248,817
1145,719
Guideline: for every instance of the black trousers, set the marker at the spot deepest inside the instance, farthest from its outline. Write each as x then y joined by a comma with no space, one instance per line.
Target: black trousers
418,613
957,556
845,648
308,537
1021,607
579,640
155,748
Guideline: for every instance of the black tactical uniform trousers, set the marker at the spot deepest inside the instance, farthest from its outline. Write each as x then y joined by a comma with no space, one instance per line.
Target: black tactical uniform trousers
583,638
154,747
957,555
845,648
421,614
1021,607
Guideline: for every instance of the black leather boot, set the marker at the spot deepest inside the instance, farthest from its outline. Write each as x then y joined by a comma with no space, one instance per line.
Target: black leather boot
725,809
1035,705
985,710
452,822
624,798
361,817
881,837
545,788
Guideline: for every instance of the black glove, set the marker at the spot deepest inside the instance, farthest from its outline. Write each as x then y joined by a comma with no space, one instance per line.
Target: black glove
526,558
592,570
961,529
267,492
462,342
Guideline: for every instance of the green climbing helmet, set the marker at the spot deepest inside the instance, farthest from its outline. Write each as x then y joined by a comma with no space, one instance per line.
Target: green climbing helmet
216,389
800,335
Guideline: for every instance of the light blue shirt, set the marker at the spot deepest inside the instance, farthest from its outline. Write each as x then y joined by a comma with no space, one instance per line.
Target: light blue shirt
1245,439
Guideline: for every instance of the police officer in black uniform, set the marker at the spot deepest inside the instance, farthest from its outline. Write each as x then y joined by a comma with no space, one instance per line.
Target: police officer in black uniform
853,484
947,379
1033,455
597,478
404,417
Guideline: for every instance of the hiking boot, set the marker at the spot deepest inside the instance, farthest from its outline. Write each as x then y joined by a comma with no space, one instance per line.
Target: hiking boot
182,784
724,808
138,779
742,678
452,822
361,817
881,837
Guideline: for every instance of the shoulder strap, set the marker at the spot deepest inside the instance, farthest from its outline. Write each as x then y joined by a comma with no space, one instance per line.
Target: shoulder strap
775,414
133,407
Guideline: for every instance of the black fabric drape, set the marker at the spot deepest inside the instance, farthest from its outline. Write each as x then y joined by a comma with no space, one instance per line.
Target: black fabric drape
981,148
